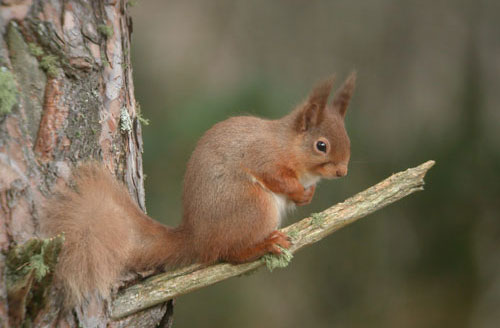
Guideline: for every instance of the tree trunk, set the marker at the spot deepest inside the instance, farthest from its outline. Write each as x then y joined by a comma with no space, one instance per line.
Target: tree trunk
66,96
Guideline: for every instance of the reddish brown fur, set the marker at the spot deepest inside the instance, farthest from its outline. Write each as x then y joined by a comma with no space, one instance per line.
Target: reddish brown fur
241,174
105,234
52,119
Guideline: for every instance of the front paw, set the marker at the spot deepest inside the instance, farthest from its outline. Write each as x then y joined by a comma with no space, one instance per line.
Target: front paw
306,197
275,239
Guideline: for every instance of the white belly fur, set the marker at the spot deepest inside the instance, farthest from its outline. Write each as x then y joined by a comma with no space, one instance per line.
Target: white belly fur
283,205
281,202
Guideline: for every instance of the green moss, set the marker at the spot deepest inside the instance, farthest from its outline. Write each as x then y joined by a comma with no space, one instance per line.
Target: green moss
37,255
105,30
132,3
35,49
294,234
8,91
29,276
140,118
317,219
29,76
50,64
104,59
39,267
277,261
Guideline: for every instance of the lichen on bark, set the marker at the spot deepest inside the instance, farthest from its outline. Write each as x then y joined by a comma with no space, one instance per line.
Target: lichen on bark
29,276
8,91
31,79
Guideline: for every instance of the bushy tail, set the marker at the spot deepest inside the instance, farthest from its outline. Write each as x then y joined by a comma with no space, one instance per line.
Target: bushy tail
104,234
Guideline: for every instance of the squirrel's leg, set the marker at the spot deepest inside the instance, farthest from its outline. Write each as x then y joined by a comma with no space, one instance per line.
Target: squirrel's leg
268,245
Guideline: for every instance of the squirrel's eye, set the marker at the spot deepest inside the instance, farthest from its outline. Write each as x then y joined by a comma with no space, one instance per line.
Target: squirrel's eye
321,146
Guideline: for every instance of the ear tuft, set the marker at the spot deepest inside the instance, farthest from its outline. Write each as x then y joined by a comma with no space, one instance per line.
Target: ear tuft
319,94
311,113
344,94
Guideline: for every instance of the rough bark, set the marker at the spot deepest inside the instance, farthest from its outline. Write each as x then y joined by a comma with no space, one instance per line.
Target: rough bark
66,96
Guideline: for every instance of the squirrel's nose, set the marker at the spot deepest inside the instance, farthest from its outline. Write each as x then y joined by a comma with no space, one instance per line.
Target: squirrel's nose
342,171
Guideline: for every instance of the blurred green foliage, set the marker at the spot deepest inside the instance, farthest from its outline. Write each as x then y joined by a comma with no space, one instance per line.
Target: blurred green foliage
428,77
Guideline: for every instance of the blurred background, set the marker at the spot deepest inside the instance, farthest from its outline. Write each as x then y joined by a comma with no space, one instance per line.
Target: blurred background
428,88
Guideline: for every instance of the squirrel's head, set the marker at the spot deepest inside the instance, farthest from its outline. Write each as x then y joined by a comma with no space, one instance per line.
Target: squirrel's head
319,126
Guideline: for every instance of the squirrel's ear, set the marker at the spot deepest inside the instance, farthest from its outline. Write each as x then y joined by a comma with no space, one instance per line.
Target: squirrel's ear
344,94
311,113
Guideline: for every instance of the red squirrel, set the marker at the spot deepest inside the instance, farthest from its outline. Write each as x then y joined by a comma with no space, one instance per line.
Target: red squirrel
243,175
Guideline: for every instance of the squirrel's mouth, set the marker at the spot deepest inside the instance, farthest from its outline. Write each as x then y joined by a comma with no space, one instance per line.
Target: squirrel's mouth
331,171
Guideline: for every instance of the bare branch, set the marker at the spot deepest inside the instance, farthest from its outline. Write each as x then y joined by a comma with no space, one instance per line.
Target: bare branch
166,286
